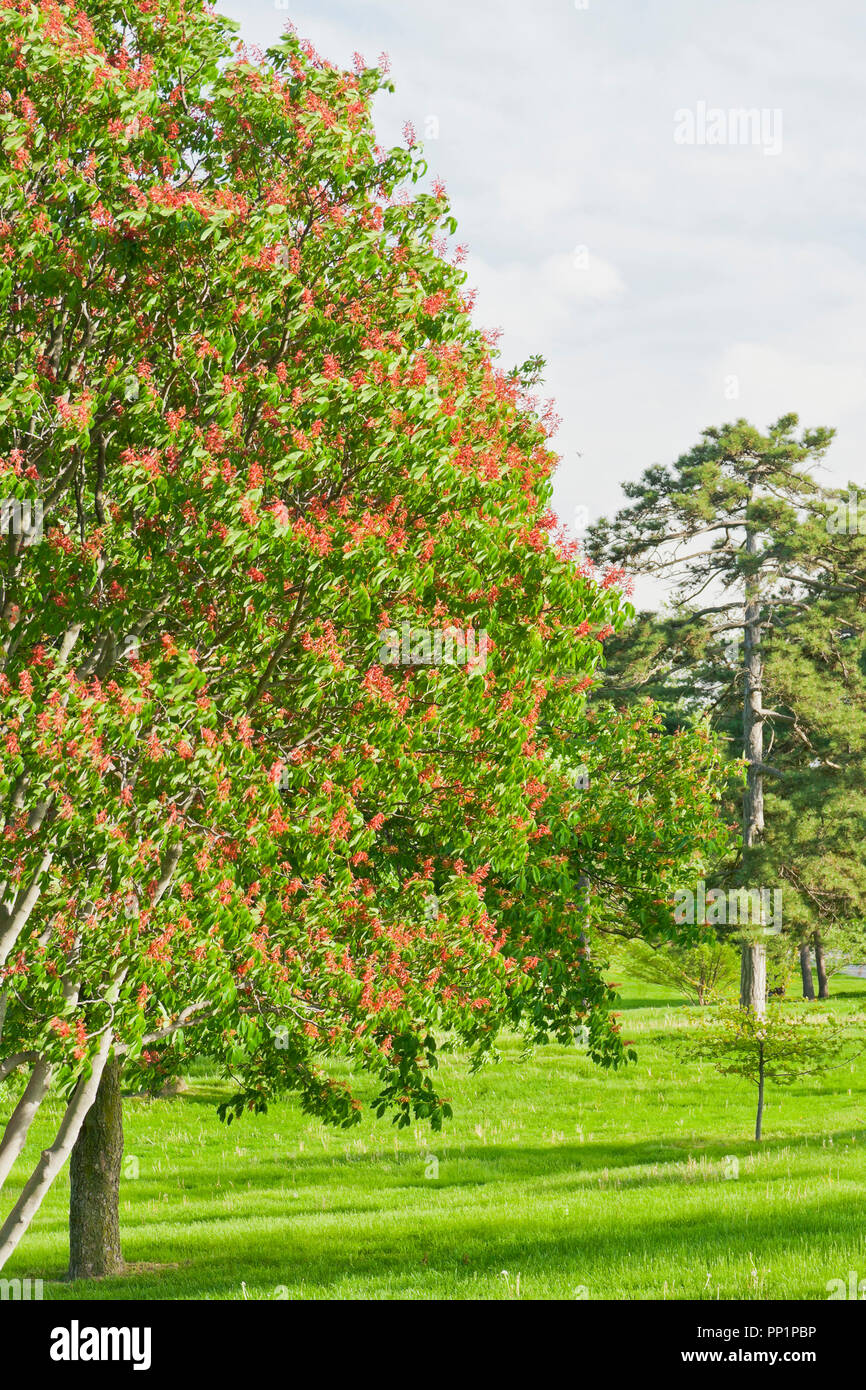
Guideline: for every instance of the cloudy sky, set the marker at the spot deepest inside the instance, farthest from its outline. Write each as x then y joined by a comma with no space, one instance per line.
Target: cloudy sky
675,270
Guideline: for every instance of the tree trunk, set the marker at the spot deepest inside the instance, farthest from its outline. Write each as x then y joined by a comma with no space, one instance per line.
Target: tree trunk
806,971
821,966
94,1171
584,886
753,715
753,978
16,1131
760,1114
52,1159
753,963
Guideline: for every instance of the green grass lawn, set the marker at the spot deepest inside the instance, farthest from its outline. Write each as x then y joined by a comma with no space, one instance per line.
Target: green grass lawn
555,1180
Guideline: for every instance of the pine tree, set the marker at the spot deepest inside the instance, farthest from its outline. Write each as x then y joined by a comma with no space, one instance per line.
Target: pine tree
765,603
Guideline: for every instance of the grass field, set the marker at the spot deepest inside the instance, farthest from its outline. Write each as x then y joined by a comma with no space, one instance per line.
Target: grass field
555,1180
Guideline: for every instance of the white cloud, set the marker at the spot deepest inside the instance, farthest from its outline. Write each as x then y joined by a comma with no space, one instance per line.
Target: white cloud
556,131
537,302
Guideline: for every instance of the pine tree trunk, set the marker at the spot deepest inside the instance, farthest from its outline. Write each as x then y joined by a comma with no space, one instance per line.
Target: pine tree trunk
753,962
94,1203
821,967
806,971
753,694
753,978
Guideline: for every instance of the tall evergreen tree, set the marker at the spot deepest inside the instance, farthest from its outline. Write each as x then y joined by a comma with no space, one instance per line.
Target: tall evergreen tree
764,633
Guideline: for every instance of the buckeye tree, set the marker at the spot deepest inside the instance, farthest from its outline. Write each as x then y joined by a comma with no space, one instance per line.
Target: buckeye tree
241,387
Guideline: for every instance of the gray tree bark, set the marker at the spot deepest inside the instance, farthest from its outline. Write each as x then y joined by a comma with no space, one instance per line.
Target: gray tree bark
821,967
759,1118
94,1171
53,1158
15,1134
753,978
753,963
806,970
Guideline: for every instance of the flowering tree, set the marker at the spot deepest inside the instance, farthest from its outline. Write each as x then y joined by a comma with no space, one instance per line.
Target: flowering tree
242,389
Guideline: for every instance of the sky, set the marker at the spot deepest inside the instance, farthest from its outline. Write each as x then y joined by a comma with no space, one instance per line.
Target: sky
677,266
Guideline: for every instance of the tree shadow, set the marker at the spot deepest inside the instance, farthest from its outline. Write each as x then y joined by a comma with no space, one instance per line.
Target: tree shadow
459,1247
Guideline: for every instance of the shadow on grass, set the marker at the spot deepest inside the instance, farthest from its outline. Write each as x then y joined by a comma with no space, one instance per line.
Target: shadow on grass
626,1002
459,1248
274,1238
202,1093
